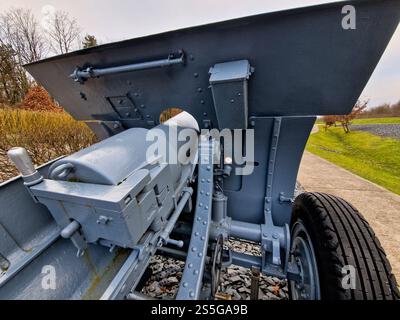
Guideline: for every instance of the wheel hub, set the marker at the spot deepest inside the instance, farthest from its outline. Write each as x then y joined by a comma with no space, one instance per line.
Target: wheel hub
302,254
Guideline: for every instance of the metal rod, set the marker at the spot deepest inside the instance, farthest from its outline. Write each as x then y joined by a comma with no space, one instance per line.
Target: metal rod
246,260
255,282
245,230
174,252
90,72
187,193
135,295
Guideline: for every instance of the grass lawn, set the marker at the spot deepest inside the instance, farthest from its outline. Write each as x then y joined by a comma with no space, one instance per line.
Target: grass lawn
370,121
371,157
377,121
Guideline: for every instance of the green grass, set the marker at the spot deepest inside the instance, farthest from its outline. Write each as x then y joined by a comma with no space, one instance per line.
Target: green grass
371,121
377,121
371,157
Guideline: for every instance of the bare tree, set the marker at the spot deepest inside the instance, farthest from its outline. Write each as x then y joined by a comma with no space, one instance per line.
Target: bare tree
21,41
20,31
63,32
14,82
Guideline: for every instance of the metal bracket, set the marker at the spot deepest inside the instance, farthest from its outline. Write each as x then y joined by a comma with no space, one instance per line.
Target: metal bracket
283,199
190,285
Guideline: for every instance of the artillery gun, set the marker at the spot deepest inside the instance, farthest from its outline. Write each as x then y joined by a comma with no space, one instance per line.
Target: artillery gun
96,217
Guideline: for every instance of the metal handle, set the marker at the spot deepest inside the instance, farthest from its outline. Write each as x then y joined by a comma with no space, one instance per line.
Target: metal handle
61,172
19,156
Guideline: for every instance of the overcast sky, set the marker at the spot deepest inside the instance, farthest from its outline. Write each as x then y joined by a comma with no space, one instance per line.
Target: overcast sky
123,19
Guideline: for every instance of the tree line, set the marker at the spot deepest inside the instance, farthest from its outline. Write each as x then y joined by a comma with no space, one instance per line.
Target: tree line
24,40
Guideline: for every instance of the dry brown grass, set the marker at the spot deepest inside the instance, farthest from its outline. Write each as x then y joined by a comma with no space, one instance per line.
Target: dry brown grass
45,135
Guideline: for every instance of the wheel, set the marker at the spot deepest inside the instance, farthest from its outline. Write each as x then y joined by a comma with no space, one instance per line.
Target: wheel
337,253
216,264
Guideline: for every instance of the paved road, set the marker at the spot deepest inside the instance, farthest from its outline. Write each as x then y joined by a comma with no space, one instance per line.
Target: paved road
379,206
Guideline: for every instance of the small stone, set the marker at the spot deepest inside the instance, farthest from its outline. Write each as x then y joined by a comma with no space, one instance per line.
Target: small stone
169,281
270,281
244,289
235,279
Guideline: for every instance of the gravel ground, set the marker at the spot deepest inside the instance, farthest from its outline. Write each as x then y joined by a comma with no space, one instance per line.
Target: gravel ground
383,130
235,281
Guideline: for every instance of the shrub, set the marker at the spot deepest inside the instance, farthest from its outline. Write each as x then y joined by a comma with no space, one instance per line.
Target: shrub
345,120
38,99
45,135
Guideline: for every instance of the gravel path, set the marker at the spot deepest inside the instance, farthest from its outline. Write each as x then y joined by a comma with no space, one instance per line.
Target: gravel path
383,130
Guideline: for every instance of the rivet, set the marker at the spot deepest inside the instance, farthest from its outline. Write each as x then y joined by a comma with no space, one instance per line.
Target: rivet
196,74
191,294
208,194
196,233
185,284
232,100
200,254
203,238
142,106
206,207
190,265
194,249
204,222
199,89
196,272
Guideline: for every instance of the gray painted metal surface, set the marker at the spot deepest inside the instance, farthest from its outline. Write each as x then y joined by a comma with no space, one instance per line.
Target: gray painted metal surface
305,64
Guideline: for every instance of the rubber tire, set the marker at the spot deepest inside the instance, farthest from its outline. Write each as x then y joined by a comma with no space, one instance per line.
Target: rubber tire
341,236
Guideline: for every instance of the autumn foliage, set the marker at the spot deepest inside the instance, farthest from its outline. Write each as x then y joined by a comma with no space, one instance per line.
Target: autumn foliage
38,99
345,120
